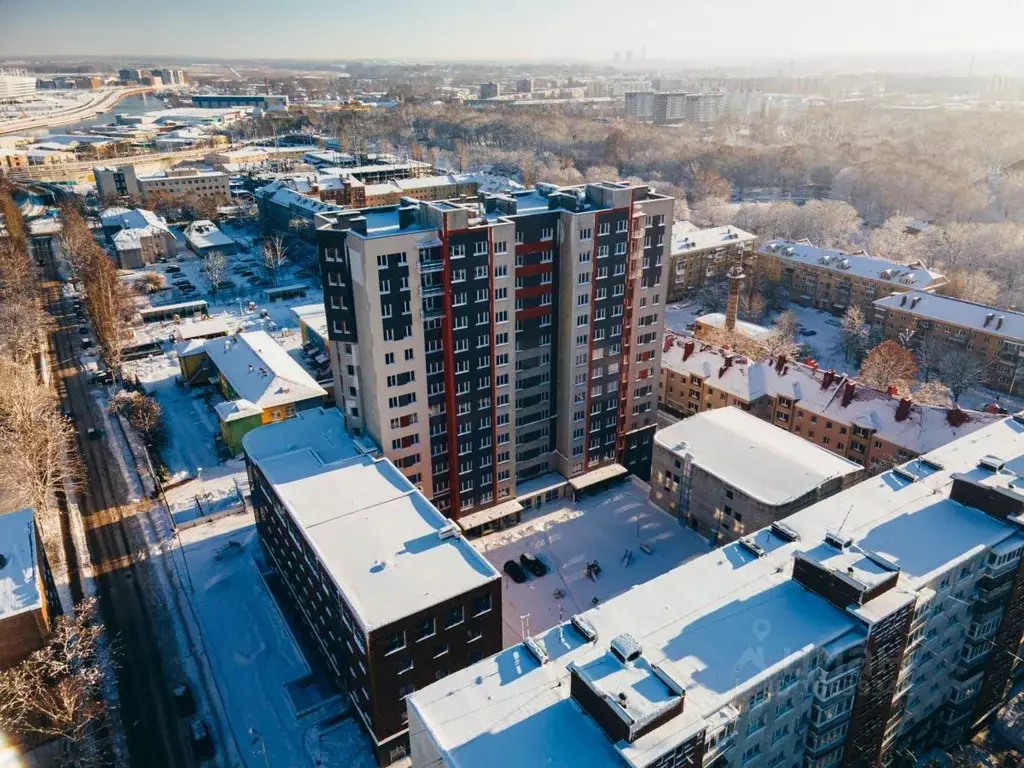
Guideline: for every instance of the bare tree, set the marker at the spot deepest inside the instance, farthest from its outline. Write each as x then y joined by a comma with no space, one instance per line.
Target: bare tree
960,370
930,352
275,256
23,326
889,365
853,336
56,692
109,305
215,264
972,285
141,411
712,212
151,282
36,442
894,241
933,393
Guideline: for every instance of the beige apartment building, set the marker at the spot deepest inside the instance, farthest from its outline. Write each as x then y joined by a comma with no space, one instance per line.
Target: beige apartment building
701,254
995,336
447,351
834,280
726,472
872,428
187,182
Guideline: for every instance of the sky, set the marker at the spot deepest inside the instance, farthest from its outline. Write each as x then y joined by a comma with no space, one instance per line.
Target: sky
522,30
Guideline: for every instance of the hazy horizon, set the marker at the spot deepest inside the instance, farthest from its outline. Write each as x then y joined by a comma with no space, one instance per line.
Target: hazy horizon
529,30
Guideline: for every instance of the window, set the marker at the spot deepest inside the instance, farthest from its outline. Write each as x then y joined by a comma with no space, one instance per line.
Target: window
395,642
547,233
385,286
404,665
458,251
586,233
604,228
389,358
474,634
481,604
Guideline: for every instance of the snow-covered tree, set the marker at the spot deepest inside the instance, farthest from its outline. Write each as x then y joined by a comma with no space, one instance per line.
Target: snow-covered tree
889,365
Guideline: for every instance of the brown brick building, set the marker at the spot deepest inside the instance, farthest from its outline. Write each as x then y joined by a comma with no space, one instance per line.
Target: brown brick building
28,596
393,595
834,280
995,336
701,254
869,427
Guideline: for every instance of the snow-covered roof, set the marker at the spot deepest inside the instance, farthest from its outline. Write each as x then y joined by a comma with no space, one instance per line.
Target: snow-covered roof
925,428
204,234
280,193
200,329
389,550
755,457
135,218
744,328
905,276
689,238
129,239
746,620
314,316
19,569
1004,323
260,370
490,182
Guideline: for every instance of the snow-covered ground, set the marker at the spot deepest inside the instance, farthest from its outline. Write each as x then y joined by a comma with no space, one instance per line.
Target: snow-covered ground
188,415
255,658
567,535
820,331
679,316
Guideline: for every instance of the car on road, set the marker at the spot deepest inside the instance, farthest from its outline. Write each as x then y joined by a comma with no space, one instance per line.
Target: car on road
93,433
86,342
84,330
202,741
807,332
533,565
515,571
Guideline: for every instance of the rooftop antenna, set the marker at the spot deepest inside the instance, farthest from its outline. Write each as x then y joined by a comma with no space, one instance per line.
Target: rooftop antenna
845,518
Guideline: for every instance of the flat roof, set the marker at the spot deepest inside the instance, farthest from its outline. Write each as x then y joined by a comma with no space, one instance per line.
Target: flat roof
389,550
750,330
504,710
689,238
860,264
1004,323
19,570
755,457
205,234
198,329
260,370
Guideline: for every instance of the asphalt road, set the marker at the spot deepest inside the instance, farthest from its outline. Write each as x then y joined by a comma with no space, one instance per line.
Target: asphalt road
155,736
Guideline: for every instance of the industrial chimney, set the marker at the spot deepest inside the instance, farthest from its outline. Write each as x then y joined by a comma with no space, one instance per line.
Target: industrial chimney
732,308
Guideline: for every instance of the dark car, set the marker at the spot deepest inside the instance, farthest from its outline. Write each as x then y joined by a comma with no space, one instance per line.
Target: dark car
184,701
86,342
515,572
533,565
93,433
84,330
172,268
202,741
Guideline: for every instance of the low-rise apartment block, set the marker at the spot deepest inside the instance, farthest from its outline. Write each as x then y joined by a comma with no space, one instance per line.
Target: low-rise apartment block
139,237
261,383
726,472
484,343
392,594
834,280
28,595
863,631
995,336
860,423
702,254
122,181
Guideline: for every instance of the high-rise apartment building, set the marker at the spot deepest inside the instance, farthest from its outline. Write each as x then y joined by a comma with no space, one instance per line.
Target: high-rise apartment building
863,631
490,341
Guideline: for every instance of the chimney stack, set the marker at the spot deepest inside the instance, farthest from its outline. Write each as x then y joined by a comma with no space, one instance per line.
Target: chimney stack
828,378
780,363
903,409
687,350
732,308
848,392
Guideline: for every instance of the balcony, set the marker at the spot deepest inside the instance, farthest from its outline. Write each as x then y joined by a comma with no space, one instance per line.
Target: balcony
432,313
430,291
433,265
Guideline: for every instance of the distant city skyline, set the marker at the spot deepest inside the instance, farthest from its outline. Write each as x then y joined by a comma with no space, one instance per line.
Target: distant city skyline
527,30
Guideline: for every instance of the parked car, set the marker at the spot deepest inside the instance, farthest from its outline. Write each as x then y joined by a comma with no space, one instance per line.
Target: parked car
184,701
515,571
102,377
84,330
93,433
202,741
172,268
86,342
533,565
